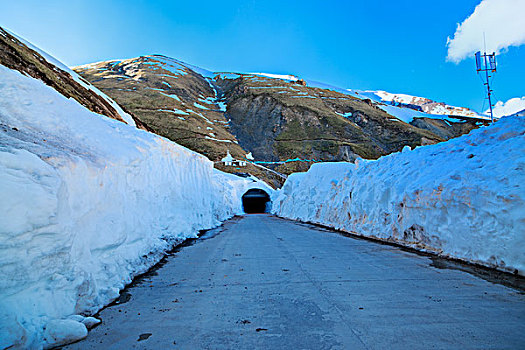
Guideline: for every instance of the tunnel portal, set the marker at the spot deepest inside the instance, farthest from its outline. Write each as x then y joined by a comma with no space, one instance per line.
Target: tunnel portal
255,200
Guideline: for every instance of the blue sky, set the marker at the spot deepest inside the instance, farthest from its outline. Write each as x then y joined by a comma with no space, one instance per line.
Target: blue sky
397,46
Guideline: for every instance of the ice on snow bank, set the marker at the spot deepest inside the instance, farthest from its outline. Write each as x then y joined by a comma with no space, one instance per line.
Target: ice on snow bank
464,198
86,203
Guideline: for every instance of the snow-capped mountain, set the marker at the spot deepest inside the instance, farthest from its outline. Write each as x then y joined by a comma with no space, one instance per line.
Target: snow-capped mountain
514,106
426,107
421,104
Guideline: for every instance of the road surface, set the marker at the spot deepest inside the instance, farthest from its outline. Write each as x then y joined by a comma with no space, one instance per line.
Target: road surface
261,282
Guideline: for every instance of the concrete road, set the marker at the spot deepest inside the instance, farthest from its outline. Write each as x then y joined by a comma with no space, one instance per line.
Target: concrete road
260,282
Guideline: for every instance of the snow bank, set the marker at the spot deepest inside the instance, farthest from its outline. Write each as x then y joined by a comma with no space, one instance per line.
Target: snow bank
464,198
87,203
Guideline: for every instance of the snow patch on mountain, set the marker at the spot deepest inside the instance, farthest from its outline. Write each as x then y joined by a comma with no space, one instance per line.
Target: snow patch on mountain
169,64
179,66
278,76
87,204
510,107
175,97
195,104
463,198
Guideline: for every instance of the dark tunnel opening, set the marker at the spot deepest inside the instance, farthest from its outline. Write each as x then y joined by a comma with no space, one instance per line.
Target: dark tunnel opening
255,201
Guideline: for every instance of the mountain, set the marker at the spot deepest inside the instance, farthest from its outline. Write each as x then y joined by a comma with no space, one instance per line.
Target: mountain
177,101
285,122
279,120
441,119
422,104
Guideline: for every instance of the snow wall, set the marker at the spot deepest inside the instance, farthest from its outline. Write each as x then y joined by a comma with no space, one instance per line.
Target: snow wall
464,198
86,204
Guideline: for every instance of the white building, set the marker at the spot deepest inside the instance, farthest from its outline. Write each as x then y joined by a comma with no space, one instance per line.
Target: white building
229,161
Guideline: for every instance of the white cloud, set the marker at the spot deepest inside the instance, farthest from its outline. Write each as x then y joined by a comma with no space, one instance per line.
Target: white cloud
512,106
502,21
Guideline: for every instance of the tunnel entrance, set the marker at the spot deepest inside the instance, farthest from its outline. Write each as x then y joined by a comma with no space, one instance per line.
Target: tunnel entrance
254,201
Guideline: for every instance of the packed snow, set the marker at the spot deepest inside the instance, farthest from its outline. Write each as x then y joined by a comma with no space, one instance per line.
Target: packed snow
407,114
217,140
200,115
174,111
463,198
88,203
222,106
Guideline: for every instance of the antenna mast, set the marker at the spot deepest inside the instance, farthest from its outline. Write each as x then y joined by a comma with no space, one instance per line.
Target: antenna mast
487,65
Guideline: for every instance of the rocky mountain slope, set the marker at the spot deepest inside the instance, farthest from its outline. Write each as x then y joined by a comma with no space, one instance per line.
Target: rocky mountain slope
19,55
285,122
278,120
177,101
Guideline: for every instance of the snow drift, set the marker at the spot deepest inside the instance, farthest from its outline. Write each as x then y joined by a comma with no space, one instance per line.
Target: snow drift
464,198
87,203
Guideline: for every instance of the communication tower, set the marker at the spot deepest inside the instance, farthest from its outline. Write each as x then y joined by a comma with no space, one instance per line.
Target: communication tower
486,63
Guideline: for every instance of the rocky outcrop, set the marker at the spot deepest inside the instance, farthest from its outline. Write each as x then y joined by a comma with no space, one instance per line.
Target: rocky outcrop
257,121
444,128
